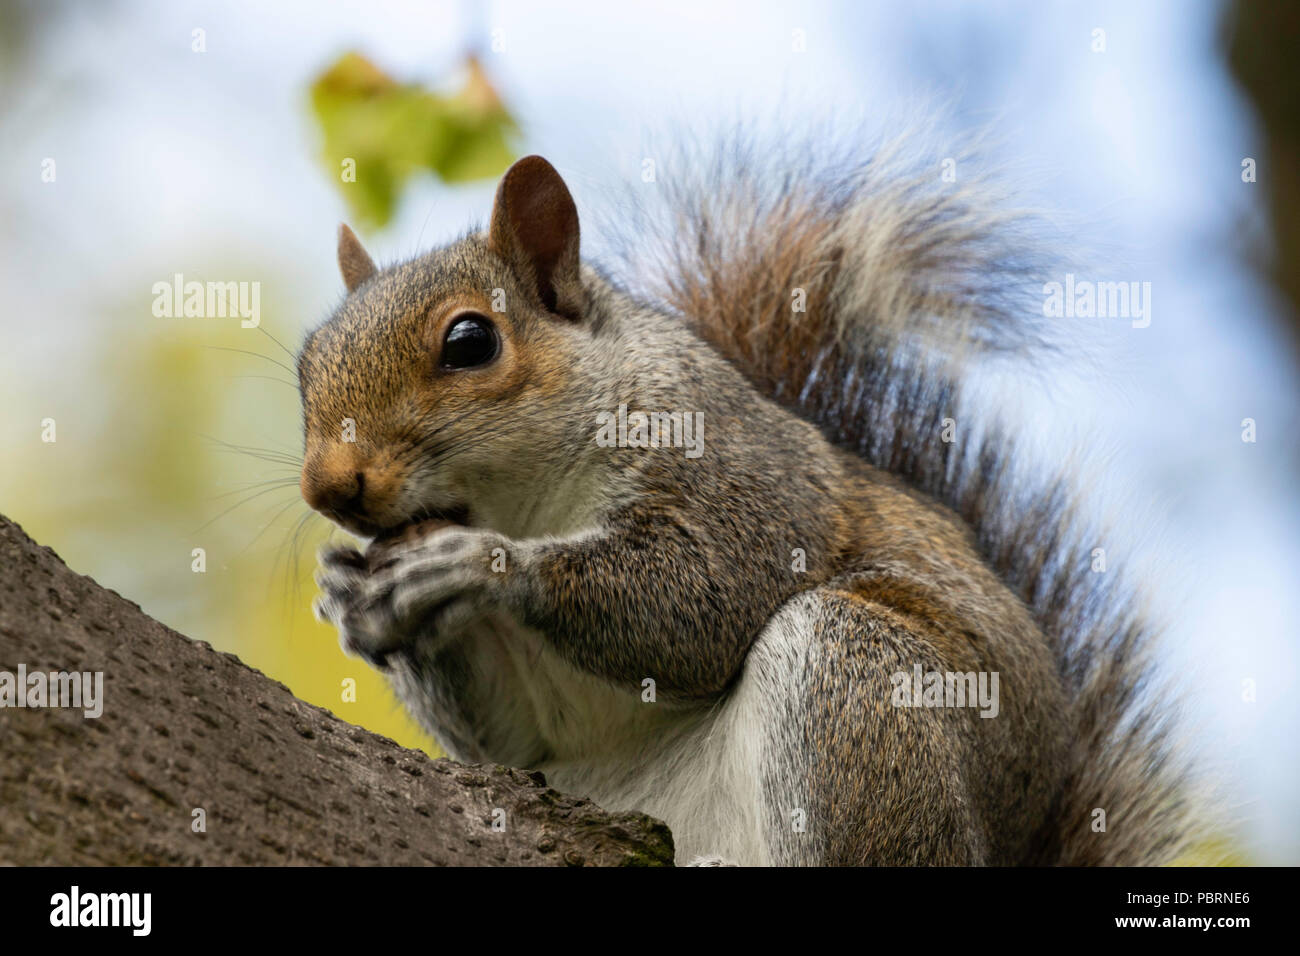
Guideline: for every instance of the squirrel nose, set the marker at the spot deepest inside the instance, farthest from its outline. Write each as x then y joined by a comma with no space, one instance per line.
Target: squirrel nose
341,492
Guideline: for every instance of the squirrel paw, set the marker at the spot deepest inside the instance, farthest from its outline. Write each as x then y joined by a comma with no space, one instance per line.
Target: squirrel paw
343,577
427,590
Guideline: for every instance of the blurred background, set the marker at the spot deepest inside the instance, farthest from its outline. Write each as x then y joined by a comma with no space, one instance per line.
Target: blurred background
148,139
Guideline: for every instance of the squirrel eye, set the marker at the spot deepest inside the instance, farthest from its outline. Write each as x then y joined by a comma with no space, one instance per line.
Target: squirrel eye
470,341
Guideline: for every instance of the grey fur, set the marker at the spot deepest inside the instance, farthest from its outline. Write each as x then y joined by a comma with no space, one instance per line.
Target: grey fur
772,738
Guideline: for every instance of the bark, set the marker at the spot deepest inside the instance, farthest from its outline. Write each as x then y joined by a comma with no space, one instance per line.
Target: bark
279,781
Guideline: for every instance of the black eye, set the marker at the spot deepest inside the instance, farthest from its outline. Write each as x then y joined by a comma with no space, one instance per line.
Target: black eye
470,341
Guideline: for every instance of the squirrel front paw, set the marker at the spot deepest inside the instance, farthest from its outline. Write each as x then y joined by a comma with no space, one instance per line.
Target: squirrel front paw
346,600
425,591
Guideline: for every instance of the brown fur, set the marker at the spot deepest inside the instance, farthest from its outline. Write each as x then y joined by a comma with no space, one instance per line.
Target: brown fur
906,279
824,436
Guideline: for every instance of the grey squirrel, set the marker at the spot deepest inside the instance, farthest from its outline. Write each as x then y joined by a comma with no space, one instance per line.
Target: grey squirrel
832,635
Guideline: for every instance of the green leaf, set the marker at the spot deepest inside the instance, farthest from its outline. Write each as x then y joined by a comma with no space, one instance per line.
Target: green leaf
394,131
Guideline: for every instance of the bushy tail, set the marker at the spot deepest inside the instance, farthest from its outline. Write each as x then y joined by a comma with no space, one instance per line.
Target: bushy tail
903,279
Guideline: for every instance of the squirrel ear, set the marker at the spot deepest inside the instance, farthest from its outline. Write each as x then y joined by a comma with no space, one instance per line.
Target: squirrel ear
354,263
535,229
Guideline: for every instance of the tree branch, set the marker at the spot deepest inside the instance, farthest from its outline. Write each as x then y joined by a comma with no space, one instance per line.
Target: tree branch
186,728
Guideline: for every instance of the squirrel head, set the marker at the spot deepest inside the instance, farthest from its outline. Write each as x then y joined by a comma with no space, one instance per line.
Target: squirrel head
446,383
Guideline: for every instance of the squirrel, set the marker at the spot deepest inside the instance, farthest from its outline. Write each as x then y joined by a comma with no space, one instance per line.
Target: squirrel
747,642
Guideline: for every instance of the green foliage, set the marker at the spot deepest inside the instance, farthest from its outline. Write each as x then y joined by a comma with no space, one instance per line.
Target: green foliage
392,131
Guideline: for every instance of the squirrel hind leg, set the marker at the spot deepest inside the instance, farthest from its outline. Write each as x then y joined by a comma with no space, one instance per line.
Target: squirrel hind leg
843,777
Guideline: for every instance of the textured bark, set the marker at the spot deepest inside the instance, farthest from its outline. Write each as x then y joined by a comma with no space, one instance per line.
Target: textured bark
280,781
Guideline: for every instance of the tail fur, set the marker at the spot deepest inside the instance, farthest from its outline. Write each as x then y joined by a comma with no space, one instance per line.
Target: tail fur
905,281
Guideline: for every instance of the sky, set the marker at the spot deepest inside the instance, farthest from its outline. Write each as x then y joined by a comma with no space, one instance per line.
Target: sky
167,156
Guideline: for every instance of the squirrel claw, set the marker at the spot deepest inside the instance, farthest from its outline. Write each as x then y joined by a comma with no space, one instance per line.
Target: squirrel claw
424,591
